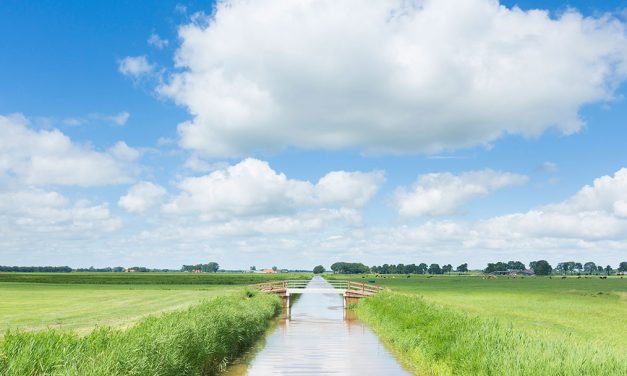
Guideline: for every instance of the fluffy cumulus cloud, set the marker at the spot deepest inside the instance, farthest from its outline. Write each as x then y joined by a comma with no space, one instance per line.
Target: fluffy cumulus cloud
141,197
444,193
135,66
41,157
395,76
252,188
595,214
39,211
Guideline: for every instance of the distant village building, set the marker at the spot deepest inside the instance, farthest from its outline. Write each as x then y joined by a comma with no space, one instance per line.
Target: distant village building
267,271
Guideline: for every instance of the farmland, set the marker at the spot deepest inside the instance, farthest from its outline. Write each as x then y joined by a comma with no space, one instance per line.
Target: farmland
81,301
440,321
200,340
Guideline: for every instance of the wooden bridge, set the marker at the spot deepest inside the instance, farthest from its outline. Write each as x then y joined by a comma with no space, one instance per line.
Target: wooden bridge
351,291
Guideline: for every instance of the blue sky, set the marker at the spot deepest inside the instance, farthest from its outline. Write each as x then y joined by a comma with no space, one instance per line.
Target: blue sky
292,135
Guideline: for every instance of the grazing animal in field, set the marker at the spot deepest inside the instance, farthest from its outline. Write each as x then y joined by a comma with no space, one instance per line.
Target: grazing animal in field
564,277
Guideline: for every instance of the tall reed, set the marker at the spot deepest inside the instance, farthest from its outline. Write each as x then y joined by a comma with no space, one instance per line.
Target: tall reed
200,340
434,340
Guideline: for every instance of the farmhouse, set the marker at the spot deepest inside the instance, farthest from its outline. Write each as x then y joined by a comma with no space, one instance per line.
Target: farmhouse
267,271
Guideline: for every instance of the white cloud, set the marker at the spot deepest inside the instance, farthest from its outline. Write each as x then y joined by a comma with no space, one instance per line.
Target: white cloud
352,189
135,66
119,119
122,151
156,41
444,193
74,122
252,187
393,76
39,211
50,157
141,197
195,163
549,167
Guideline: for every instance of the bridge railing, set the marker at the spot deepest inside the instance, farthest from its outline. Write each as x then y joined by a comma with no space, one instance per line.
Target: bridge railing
364,288
349,286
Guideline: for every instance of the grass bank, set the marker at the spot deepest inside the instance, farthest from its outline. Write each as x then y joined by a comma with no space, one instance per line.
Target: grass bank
437,340
590,311
200,340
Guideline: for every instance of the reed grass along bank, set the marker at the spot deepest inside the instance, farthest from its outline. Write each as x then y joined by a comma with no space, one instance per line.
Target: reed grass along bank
434,340
200,340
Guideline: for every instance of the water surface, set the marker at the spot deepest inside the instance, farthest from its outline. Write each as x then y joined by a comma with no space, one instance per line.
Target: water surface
319,339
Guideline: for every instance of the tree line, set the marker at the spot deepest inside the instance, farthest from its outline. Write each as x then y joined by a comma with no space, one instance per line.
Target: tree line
421,268
542,267
211,267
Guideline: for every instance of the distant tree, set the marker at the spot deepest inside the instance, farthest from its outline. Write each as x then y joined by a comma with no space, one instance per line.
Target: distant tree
434,269
349,268
274,268
589,267
541,267
622,267
400,269
253,268
213,267
565,267
118,269
447,268
495,267
463,268
422,268
577,266
515,265
608,270
36,269
319,269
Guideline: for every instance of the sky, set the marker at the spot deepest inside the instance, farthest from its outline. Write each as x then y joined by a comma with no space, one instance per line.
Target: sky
308,132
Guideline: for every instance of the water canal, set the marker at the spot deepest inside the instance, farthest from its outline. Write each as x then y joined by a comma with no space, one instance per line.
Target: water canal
319,338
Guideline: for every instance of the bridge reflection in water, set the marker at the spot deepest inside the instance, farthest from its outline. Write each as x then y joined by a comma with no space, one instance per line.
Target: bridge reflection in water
319,338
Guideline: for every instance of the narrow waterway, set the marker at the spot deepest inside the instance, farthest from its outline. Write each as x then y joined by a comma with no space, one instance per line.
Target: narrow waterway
319,339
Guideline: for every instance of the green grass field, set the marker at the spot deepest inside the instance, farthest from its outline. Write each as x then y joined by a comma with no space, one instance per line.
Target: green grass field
82,301
149,278
36,306
581,313
200,340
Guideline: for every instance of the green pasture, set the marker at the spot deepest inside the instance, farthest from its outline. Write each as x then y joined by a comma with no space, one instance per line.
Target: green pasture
580,309
36,306
149,278
199,340
432,339
82,301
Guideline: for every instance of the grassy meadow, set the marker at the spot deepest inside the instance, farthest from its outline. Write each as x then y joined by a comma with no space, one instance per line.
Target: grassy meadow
130,323
82,301
200,340
469,325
